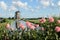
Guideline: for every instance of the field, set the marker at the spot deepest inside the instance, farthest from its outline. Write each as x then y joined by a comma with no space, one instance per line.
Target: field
4,23
34,21
48,30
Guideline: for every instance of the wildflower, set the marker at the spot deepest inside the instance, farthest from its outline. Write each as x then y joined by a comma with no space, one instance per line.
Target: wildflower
32,27
8,26
43,20
22,26
36,25
51,19
28,23
58,21
57,29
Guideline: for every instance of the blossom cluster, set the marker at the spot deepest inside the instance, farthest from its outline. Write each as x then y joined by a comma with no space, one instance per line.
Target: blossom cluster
34,26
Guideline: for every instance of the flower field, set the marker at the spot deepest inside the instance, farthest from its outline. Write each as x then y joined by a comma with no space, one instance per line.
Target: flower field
46,29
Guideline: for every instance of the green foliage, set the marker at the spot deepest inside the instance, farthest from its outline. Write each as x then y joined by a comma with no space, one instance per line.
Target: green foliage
4,20
48,34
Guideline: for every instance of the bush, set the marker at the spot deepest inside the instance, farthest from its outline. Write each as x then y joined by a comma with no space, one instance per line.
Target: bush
48,33
4,20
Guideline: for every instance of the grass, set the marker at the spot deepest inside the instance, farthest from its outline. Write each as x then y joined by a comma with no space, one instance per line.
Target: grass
34,21
4,23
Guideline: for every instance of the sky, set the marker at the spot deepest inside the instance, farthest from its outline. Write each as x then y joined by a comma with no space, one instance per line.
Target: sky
30,8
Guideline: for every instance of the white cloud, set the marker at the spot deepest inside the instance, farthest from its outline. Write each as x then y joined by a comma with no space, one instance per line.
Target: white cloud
23,5
31,9
58,3
3,5
11,14
20,4
52,4
45,3
12,8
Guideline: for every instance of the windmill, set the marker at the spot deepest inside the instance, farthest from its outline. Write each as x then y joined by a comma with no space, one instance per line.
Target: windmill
17,17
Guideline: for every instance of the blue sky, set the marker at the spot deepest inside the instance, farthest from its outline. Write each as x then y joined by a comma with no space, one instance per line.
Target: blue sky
30,8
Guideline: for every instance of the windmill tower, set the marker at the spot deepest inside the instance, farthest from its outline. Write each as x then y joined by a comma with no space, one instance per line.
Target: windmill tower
17,17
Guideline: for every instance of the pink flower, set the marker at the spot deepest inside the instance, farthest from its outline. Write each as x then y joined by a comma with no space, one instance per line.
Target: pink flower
22,26
28,23
43,20
58,21
42,29
32,27
51,19
8,26
57,29
36,25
